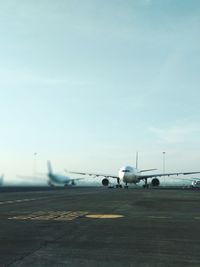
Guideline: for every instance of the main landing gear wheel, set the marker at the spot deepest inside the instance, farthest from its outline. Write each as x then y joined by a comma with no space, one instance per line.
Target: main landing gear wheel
126,186
145,184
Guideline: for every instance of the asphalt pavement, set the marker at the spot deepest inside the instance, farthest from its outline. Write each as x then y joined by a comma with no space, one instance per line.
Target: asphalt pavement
99,227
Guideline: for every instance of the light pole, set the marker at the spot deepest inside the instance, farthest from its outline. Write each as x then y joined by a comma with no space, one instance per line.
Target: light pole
136,161
164,164
35,164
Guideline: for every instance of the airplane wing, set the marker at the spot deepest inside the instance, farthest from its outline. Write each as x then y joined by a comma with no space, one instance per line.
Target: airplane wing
148,170
165,174
95,174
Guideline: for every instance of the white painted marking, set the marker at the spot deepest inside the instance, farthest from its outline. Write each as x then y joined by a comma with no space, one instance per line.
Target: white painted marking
21,200
51,215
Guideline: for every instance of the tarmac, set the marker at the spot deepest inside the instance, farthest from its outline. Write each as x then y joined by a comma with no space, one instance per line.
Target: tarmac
99,227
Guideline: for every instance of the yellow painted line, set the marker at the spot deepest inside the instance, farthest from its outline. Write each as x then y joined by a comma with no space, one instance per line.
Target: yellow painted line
104,216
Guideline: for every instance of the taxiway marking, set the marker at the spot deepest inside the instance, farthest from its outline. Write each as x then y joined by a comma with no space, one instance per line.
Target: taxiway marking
73,215
51,216
63,216
104,216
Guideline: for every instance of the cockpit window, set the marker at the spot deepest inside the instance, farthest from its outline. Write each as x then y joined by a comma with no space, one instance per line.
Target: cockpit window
125,170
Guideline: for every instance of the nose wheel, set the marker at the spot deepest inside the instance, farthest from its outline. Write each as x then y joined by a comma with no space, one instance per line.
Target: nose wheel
118,186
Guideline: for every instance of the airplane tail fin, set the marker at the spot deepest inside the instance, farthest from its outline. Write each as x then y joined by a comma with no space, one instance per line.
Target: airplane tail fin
49,167
1,179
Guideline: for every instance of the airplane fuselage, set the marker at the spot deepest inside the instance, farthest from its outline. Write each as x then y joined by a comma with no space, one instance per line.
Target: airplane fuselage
59,179
128,174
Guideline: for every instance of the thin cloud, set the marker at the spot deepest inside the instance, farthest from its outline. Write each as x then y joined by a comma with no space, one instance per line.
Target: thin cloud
176,134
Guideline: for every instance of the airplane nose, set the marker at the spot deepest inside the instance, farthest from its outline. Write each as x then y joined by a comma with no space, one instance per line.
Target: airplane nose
121,175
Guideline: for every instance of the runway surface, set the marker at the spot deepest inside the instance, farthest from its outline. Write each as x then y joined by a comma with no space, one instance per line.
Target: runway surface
99,227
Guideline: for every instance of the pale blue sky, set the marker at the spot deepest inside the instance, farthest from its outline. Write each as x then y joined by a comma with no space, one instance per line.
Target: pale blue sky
87,83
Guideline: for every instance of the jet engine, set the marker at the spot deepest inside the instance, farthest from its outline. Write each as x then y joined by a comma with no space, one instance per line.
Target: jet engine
105,182
155,182
196,184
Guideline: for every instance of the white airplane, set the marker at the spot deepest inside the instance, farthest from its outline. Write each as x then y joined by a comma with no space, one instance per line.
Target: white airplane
59,180
131,175
53,178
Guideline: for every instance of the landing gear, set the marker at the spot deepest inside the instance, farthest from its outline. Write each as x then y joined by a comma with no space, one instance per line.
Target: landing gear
51,185
126,186
73,183
118,185
146,184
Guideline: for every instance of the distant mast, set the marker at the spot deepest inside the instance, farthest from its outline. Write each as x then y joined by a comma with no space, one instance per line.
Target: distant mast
136,164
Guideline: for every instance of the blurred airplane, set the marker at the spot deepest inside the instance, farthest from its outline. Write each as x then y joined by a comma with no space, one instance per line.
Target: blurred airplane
1,180
59,180
51,178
